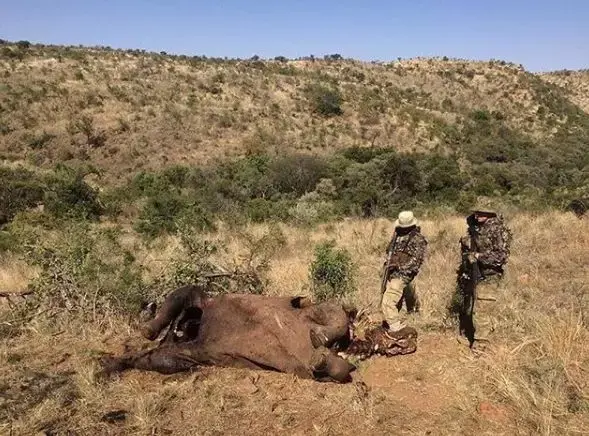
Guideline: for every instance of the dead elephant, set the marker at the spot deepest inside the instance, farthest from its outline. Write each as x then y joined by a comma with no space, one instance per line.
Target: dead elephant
283,334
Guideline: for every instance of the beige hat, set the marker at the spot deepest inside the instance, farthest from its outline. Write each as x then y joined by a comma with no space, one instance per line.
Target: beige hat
406,219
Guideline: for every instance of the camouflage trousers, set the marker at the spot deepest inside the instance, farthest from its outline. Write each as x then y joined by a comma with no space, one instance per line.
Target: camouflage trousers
488,293
399,290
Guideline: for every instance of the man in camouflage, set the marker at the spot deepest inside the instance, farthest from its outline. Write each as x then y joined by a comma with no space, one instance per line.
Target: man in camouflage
405,254
487,244
488,241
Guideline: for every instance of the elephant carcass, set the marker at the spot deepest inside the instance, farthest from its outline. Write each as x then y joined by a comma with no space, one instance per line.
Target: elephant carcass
285,334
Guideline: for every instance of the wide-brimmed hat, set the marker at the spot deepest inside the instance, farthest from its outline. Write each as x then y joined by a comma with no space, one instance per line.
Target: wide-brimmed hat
486,212
405,219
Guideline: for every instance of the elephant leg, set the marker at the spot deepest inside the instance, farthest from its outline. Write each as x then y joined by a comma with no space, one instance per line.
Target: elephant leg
331,325
165,360
326,336
328,366
178,300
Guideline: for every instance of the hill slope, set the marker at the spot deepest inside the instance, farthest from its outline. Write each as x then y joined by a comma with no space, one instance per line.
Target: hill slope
574,83
125,111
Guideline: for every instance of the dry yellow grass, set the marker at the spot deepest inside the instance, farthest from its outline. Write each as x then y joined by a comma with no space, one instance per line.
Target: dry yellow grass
157,110
14,275
575,83
532,378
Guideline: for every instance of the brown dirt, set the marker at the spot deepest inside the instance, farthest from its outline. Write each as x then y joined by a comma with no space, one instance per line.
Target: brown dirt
413,380
388,395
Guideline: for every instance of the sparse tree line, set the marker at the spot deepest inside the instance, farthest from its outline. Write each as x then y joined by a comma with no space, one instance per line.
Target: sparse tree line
308,189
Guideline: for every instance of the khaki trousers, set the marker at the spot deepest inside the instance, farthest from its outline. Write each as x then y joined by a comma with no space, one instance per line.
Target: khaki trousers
398,290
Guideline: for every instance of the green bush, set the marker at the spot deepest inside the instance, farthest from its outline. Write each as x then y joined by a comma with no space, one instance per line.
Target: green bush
312,208
159,215
85,125
7,241
442,177
85,271
39,141
331,272
23,44
259,210
194,263
20,189
326,101
69,196
165,212
296,174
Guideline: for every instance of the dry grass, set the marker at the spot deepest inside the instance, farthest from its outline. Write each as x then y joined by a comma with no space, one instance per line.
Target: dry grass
14,274
158,110
575,83
531,379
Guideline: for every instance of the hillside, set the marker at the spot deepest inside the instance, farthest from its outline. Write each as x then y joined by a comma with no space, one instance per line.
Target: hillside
128,110
575,85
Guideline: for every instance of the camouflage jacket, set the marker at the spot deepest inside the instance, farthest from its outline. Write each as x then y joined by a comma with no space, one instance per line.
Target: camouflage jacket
410,251
492,241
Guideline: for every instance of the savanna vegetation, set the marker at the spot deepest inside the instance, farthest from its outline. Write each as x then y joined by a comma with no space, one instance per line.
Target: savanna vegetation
124,174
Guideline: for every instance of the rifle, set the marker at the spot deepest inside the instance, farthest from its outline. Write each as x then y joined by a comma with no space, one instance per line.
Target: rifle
470,275
387,265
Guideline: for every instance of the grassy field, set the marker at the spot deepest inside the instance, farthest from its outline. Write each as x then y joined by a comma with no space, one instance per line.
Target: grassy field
531,378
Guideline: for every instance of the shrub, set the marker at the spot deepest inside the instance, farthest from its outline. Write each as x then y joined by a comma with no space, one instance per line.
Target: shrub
94,137
331,272
296,174
159,215
39,141
7,241
259,209
311,209
20,189
86,272
69,196
481,115
196,263
165,212
363,154
443,178
325,101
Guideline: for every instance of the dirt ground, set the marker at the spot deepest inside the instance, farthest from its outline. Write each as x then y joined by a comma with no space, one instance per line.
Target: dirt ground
403,395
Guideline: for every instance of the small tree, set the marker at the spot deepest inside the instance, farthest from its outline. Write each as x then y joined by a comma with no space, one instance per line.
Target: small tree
325,101
94,137
68,195
23,44
331,272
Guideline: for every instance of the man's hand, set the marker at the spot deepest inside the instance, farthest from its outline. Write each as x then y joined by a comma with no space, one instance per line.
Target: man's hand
472,257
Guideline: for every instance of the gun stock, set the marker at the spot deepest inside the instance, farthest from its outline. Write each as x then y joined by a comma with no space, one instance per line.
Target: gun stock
385,274
387,265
